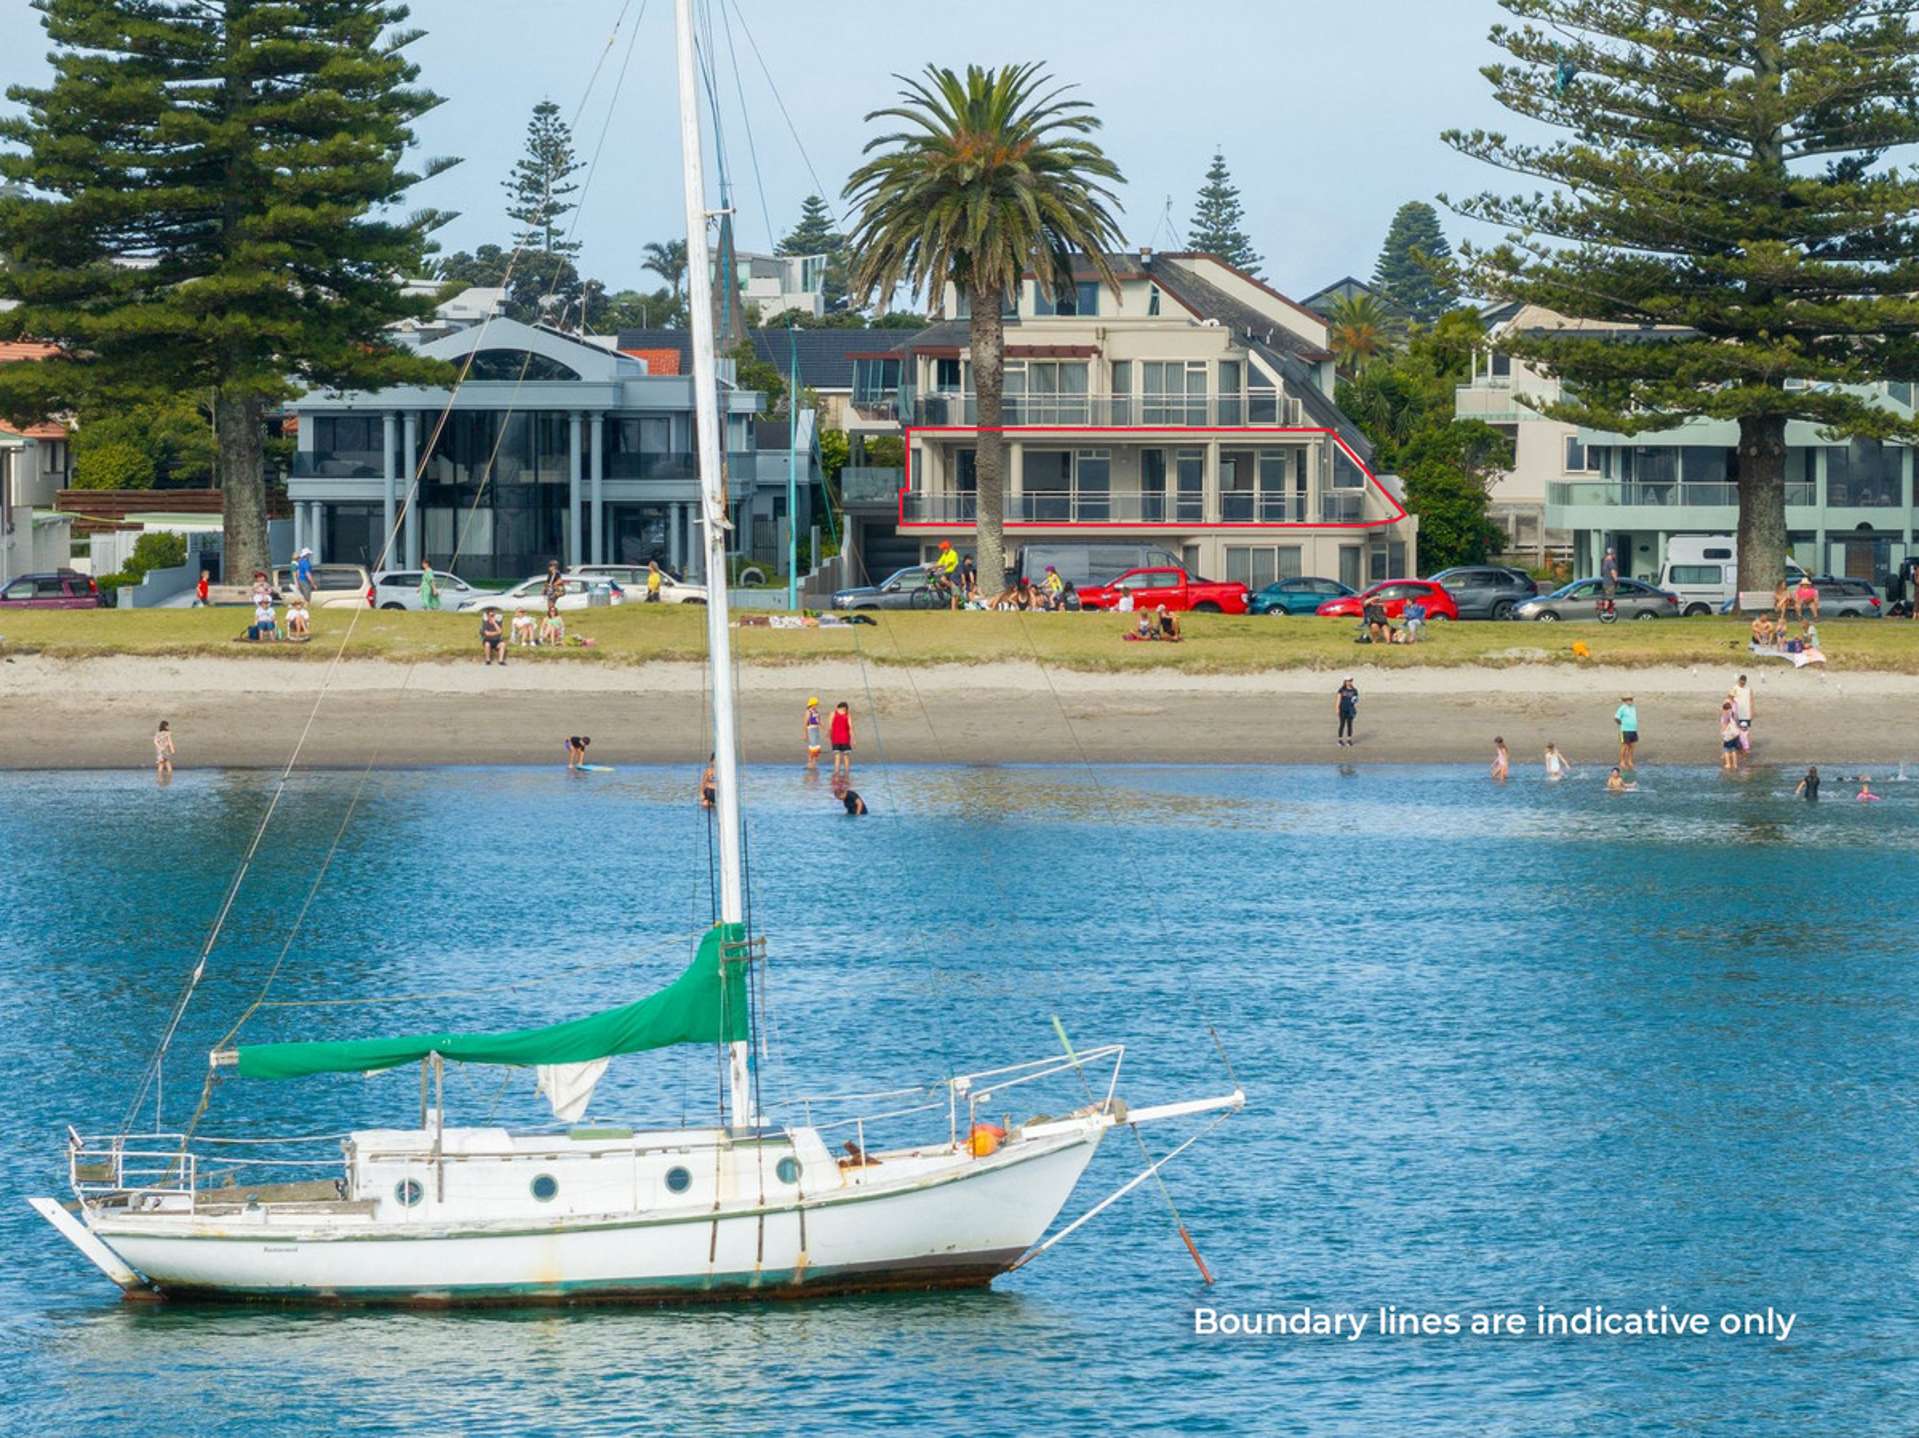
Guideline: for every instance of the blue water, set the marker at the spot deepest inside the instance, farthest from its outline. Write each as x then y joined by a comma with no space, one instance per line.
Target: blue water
1503,1047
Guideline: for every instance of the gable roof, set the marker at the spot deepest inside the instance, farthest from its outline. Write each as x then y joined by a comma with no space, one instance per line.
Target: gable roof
589,360
1321,301
825,355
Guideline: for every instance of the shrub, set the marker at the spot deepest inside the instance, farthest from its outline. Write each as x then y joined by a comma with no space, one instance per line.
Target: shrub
156,549
113,464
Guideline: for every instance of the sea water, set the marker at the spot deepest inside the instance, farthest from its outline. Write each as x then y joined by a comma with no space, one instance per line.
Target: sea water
1521,1049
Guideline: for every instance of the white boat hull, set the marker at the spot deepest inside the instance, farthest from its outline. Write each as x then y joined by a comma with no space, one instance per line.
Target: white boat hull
957,1228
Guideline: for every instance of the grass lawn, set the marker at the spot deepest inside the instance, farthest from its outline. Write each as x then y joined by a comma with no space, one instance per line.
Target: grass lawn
1215,644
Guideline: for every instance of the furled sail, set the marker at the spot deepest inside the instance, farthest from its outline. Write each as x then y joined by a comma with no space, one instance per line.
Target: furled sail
705,1004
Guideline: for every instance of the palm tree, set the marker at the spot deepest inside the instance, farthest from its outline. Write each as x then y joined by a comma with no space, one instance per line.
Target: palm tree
992,176
668,261
1359,329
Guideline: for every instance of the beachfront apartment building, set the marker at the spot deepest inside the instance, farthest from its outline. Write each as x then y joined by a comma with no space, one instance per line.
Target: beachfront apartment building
1574,492
551,447
1188,408
774,284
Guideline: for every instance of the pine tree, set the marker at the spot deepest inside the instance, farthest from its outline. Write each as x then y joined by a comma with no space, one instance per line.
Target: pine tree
1723,177
1218,219
538,188
1423,293
205,218
815,235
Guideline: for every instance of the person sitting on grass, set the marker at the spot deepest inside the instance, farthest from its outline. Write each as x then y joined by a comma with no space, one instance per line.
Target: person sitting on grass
1168,625
1144,629
263,626
1378,628
492,637
552,628
1415,616
525,631
1763,634
1809,637
299,622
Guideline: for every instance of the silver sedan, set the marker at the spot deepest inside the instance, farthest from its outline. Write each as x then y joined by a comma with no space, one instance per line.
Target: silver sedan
1580,600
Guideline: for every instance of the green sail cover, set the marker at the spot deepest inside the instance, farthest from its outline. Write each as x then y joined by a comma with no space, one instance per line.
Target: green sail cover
706,1004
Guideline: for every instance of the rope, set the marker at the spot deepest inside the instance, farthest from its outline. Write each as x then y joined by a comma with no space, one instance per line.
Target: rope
746,118
792,129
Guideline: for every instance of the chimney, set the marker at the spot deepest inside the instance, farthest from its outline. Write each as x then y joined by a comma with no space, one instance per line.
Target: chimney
1146,257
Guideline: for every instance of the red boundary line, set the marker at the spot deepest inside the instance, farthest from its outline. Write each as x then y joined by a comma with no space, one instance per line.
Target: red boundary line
1172,431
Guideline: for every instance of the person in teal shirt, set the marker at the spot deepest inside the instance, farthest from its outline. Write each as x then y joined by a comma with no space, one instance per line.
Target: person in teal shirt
1626,716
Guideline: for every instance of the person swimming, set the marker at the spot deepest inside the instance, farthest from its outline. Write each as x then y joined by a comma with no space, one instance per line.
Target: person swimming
1865,794
855,805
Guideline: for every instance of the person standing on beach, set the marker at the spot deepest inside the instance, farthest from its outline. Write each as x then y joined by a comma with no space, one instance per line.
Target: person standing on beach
1346,708
840,732
1502,761
1808,787
163,748
1741,698
1626,716
813,732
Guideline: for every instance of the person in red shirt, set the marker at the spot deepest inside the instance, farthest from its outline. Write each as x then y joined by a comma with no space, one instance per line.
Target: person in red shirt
200,592
840,736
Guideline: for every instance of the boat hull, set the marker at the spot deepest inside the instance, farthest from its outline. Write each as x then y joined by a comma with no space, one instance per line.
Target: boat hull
956,1230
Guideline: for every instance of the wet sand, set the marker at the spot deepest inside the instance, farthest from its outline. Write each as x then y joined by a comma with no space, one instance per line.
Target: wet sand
101,713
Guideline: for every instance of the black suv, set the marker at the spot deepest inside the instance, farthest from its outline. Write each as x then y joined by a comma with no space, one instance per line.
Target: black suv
1486,591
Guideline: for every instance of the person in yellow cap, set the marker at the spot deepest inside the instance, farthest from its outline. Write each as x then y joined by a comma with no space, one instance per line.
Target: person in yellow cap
813,732
943,569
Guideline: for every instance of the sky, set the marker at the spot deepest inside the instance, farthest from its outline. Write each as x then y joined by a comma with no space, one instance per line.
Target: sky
1329,115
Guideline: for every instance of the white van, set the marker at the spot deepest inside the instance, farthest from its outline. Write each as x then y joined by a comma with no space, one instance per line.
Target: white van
1703,570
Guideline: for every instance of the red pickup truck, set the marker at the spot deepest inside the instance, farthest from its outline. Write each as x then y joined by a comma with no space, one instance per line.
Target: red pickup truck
1174,588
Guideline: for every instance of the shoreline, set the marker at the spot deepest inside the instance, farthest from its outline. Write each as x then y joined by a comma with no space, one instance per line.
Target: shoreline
251,712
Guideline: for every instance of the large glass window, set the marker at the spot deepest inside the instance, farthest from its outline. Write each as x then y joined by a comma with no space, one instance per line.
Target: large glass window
518,365
1865,475
1175,391
1092,484
355,440
1703,465
1152,484
1008,310
875,381
1077,299
1190,498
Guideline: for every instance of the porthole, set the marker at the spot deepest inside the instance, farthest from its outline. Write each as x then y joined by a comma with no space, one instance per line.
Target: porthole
545,1187
678,1180
408,1192
789,1169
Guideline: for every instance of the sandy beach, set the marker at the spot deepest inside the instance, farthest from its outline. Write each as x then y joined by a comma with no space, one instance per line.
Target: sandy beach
100,713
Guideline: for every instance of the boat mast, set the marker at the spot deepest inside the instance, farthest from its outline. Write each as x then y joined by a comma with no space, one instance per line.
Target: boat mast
707,421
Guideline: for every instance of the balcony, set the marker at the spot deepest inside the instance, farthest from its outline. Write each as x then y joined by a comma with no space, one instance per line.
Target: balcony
1257,407
1342,506
1491,404
1663,494
1119,507
870,484
307,465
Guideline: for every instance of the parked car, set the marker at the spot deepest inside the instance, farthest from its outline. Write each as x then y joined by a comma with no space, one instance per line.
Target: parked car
1300,595
530,594
632,578
1635,599
58,589
1487,591
908,588
1396,594
400,589
335,586
1083,564
1170,586
1838,599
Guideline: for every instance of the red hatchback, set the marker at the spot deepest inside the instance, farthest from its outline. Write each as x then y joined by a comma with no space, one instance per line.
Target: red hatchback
63,589
1395,594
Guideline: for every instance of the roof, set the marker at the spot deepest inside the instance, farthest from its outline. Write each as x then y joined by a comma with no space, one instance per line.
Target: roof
46,429
1321,301
825,355
31,350
1205,298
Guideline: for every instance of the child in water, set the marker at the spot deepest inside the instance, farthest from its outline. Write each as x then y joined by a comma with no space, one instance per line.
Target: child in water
1502,761
1865,794
1558,766
1616,783
813,732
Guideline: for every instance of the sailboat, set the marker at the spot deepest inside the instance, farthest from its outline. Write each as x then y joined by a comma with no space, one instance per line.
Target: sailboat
741,1208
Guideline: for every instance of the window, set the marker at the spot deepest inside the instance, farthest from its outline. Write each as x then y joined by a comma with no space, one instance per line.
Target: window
1578,459
788,1169
1257,566
1092,484
1152,299
408,1192
1077,299
1502,365
946,375
1865,474
1704,466
1350,558
1152,484
1046,391
1175,391
1190,476
1009,309
1122,393
678,1179
875,381
518,365
1231,407
544,1188
1694,574
19,589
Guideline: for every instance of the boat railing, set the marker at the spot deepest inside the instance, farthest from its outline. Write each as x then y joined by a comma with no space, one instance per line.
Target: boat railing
854,1112
106,1166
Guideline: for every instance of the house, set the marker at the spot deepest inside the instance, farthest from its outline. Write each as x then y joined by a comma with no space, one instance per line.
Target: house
34,464
773,284
552,447
1189,408
826,359
1321,302
1579,491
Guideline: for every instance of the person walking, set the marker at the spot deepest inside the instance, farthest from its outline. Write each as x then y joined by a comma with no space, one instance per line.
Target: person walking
1808,787
303,574
163,749
554,586
200,591
1728,737
1626,716
1558,766
840,733
653,581
1741,697
429,588
1346,709
1502,760
813,732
